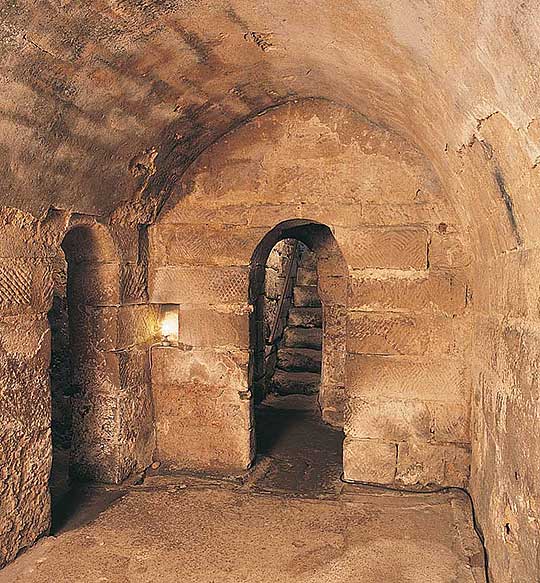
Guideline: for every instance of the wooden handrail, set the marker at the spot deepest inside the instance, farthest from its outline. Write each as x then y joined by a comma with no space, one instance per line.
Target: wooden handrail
291,268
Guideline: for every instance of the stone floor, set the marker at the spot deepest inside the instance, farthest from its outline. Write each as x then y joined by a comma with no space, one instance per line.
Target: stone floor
289,519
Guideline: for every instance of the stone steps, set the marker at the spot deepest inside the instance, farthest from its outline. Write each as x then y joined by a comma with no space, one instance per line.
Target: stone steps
299,359
306,277
295,337
295,383
306,296
305,317
299,355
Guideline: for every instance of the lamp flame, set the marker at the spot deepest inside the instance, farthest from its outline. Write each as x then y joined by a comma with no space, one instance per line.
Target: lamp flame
169,323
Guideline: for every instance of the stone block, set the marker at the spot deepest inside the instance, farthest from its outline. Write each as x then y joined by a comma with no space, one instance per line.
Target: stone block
199,285
295,383
303,338
26,336
108,328
273,284
309,260
404,247
201,327
94,284
95,451
306,296
94,371
217,370
422,464
333,365
406,378
225,245
19,242
384,212
89,242
447,251
457,468
25,462
369,460
335,323
386,333
186,213
197,405
438,290
306,276
200,449
299,359
129,242
137,325
305,317
270,215
333,289
387,419
332,399
136,431
134,283
26,286
197,430
25,393
450,422
330,260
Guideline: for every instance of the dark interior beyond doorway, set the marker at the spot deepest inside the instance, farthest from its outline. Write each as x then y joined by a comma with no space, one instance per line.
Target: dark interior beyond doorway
297,452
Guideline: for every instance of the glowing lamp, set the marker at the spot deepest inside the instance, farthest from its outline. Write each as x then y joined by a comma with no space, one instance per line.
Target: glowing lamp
169,324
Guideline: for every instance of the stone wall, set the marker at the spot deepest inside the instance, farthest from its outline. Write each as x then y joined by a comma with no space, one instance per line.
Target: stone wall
401,299
110,325
506,347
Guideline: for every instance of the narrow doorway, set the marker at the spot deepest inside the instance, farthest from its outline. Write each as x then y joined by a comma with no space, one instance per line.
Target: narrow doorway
61,388
296,450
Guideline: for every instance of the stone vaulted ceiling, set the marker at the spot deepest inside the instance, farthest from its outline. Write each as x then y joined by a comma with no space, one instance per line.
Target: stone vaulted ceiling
104,103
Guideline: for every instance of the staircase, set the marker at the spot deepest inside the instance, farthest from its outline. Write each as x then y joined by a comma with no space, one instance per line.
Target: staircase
298,366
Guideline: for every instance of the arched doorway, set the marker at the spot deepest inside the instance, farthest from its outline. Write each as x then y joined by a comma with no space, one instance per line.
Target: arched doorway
86,285
297,339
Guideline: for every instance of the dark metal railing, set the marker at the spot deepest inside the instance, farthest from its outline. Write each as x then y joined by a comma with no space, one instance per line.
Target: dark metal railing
284,299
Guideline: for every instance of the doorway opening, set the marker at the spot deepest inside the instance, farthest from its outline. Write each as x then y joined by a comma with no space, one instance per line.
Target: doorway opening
291,361
61,389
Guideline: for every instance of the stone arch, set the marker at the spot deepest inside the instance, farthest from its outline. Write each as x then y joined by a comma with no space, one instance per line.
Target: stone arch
332,274
408,398
112,432
92,288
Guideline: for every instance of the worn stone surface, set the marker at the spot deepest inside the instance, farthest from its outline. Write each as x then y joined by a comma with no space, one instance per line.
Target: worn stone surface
203,422
305,317
104,109
159,533
299,359
278,171
306,296
303,338
369,460
402,377
385,247
293,382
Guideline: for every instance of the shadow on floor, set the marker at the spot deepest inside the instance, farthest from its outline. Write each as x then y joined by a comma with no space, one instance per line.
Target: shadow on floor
74,504
296,451
297,454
